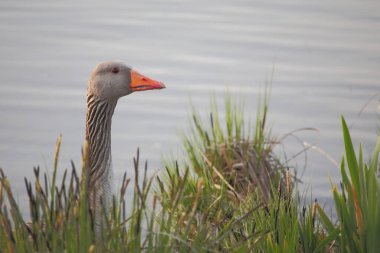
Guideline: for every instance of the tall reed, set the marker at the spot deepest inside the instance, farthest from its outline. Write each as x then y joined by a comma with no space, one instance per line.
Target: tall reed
357,203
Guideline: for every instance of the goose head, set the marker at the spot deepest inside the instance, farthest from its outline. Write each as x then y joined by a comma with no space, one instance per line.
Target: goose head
113,80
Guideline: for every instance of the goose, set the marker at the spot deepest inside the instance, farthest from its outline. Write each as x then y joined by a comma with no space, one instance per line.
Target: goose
108,82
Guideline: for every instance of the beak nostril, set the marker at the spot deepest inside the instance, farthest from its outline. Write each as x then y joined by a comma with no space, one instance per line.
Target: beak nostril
144,79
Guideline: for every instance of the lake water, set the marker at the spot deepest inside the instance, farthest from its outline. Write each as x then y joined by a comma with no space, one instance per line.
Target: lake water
323,58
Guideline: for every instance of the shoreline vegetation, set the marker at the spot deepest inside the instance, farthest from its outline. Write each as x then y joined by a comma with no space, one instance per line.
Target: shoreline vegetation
229,193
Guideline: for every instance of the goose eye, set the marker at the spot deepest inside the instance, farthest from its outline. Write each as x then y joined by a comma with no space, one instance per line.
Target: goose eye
115,70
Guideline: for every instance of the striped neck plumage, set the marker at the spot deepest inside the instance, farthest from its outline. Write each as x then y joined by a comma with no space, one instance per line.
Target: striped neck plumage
98,135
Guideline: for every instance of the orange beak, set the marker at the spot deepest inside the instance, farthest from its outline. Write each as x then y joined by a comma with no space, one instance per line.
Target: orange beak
140,82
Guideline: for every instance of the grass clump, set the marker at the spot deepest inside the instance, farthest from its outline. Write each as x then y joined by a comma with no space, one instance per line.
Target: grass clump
225,154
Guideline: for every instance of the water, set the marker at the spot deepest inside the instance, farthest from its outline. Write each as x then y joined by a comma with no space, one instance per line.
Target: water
323,57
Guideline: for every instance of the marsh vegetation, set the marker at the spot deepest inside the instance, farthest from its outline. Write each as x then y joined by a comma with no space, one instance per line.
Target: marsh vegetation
228,193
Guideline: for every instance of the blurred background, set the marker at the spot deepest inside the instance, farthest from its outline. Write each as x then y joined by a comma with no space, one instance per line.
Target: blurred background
322,59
